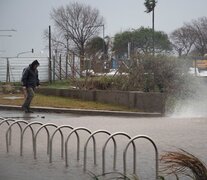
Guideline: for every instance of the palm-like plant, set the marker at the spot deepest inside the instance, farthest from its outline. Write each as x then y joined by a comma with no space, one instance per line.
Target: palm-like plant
150,6
183,163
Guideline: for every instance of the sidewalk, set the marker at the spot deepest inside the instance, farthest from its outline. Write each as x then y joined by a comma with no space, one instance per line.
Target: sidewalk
85,111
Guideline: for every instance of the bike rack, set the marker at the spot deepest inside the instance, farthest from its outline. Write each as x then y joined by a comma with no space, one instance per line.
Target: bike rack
8,130
132,141
78,144
48,137
7,122
22,135
115,150
86,144
62,140
64,144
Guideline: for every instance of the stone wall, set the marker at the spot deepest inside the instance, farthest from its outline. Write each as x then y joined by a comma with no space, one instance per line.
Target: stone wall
147,102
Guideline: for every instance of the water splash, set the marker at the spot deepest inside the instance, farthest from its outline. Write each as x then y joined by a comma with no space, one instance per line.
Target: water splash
194,104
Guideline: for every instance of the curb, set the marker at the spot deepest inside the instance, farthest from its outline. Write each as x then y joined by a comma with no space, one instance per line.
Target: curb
85,111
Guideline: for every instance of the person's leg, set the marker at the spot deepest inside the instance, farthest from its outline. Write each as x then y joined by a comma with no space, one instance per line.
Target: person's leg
28,99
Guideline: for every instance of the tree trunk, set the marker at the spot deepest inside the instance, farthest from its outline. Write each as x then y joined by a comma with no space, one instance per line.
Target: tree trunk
82,64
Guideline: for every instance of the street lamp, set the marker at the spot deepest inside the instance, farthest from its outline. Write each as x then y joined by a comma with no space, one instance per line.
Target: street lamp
67,56
32,51
7,35
2,51
101,25
8,30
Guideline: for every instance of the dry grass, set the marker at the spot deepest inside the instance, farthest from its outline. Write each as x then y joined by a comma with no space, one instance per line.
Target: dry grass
61,102
183,163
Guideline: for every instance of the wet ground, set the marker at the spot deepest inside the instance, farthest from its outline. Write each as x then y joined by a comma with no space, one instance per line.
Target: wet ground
168,133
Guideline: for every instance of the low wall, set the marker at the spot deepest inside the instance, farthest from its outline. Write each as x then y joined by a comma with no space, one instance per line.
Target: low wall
146,102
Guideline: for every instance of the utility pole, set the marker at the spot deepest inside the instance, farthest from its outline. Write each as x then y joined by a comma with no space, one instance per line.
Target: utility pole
7,70
103,40
50,59
153,30
67,55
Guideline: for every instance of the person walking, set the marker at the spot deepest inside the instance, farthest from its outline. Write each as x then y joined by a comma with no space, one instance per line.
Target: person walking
30,81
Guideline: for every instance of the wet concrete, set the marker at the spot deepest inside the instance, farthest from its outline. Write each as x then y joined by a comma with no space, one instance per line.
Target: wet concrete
168,134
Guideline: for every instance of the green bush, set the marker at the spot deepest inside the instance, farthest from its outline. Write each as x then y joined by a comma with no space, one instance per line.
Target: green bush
147,73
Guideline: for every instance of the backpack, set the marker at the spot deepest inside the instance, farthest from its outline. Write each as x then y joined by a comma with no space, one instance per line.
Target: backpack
23,74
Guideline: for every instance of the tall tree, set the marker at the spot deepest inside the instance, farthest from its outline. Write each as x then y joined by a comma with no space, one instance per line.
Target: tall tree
121,41
94,46
79,23
141,42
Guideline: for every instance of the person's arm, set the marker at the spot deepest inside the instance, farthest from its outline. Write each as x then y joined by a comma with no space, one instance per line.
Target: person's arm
37,78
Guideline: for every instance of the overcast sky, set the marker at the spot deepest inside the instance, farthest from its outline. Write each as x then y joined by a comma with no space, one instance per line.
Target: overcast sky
31,17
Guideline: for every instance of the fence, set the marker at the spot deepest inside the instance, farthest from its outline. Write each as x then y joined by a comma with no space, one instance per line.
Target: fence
11,68
24,125
59,68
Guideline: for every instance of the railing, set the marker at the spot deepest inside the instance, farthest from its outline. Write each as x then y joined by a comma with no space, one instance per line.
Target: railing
24,125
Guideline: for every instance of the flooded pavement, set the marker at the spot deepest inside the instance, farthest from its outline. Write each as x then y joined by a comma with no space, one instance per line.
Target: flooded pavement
168,134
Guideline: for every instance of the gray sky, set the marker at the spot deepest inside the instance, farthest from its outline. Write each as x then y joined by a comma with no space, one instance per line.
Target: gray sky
31,17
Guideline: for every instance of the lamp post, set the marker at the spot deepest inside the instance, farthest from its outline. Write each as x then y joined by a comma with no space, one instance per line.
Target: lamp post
32,51
153,30
67,54
8,65
101,25
7,35
8,30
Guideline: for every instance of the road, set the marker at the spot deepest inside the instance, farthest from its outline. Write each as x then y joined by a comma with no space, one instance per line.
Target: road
167,132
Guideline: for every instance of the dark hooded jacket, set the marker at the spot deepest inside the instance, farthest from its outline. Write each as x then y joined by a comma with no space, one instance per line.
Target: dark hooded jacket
30,76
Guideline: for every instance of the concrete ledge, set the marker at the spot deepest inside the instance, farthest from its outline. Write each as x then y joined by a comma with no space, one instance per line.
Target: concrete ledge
85,111
145,102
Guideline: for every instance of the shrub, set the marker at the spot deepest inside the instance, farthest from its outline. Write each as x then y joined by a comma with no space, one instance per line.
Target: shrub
183,163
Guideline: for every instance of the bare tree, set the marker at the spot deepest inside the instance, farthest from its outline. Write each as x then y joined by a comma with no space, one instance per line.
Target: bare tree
79,23
199,27
59,42
183,40
191,38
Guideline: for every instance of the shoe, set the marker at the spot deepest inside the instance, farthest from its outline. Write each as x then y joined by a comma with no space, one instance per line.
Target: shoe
24,108
28,111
